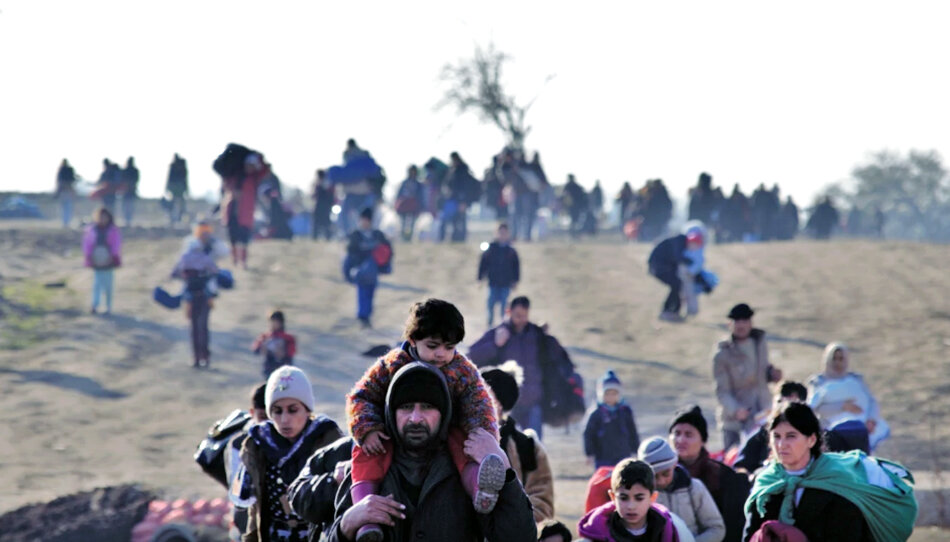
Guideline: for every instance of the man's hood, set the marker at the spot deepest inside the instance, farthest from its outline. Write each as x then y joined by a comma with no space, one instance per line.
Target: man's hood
403,378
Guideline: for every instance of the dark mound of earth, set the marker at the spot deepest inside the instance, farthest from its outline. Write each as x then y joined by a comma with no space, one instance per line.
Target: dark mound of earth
104,515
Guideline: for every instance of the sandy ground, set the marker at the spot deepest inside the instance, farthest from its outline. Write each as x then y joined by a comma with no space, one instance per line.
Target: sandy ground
89,400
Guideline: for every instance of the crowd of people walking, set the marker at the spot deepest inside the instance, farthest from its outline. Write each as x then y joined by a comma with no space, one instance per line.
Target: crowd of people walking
442,444
448,193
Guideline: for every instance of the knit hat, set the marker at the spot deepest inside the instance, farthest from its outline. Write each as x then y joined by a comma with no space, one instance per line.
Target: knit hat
692,415
504,382
609,382
418,386
657,452
288,382
741,312
418,382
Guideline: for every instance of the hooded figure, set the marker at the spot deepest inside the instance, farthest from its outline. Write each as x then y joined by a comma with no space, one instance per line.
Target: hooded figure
840,397
424,480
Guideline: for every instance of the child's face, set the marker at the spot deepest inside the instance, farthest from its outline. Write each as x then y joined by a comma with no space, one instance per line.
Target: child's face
611,397
435,351
664,477
276,325
633,504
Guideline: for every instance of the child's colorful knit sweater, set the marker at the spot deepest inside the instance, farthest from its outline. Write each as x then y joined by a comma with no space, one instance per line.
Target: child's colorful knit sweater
471,403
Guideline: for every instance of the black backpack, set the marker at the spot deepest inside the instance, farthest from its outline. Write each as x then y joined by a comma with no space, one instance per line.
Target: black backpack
211,451
230,163
564,401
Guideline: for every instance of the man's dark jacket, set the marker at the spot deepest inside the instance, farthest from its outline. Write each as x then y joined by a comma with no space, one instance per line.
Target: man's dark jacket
443,510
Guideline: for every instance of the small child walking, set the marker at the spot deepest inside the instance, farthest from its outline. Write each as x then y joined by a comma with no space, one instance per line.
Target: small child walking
433,331
611,431
277,346
102,248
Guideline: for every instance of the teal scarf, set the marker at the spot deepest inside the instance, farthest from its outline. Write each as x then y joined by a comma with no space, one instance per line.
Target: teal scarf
889,512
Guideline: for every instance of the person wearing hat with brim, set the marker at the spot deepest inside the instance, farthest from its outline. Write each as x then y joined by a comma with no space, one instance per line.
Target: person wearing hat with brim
742,371
274,452
688,433
422,496
528,457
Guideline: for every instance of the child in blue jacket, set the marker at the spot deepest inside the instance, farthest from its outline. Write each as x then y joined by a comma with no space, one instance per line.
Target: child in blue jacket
611,432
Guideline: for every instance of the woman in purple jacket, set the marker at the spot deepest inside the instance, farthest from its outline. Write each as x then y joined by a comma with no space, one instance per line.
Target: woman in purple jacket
102,247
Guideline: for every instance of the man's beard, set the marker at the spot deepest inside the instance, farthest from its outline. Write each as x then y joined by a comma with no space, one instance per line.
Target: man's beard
417,437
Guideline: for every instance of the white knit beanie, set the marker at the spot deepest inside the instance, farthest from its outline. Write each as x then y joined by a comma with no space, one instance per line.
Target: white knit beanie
288,382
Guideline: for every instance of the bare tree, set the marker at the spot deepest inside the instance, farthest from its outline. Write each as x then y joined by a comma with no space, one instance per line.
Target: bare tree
474,84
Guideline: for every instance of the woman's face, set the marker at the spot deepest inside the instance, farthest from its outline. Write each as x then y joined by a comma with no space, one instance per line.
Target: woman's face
289,416
839,363
791,447
686,440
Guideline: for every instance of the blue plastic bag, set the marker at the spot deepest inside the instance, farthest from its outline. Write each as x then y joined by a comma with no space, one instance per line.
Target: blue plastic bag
225,279
165,299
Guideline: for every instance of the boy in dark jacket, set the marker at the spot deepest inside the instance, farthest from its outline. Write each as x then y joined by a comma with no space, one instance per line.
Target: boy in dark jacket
368,254
500,265
277,346
611,432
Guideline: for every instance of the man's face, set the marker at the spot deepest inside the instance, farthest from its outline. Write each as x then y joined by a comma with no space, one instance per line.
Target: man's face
519,317
504,235
276,325
741,329
365,224
417,424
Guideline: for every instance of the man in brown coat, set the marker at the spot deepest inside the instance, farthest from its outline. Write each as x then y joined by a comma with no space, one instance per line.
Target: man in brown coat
742,371
525,452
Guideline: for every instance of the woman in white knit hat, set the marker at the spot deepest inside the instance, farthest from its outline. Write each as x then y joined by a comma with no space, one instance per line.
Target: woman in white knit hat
686,497
275,451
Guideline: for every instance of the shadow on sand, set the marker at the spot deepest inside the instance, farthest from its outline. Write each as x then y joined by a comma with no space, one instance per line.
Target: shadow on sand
81,384
586,352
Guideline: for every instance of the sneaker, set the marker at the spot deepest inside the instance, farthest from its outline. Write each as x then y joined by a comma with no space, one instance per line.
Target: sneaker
369,533
491,478
670,317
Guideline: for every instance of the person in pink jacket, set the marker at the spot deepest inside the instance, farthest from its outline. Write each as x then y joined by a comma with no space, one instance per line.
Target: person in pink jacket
102,248
632,515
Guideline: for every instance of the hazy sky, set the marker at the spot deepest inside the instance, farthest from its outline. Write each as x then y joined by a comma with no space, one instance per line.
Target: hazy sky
749,91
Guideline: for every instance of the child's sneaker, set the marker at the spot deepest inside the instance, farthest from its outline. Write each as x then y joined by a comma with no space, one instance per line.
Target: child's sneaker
491,478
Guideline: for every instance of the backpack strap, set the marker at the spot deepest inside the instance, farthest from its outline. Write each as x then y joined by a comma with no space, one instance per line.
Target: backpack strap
526,452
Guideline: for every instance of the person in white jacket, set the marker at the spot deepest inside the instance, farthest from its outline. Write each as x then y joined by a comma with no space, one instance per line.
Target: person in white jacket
684,496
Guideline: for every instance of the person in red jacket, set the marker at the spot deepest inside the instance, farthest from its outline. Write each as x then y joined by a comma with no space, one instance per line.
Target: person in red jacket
277,346
238,203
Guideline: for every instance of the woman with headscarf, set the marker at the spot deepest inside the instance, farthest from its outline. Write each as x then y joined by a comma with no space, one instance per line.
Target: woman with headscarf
827,496
839,396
